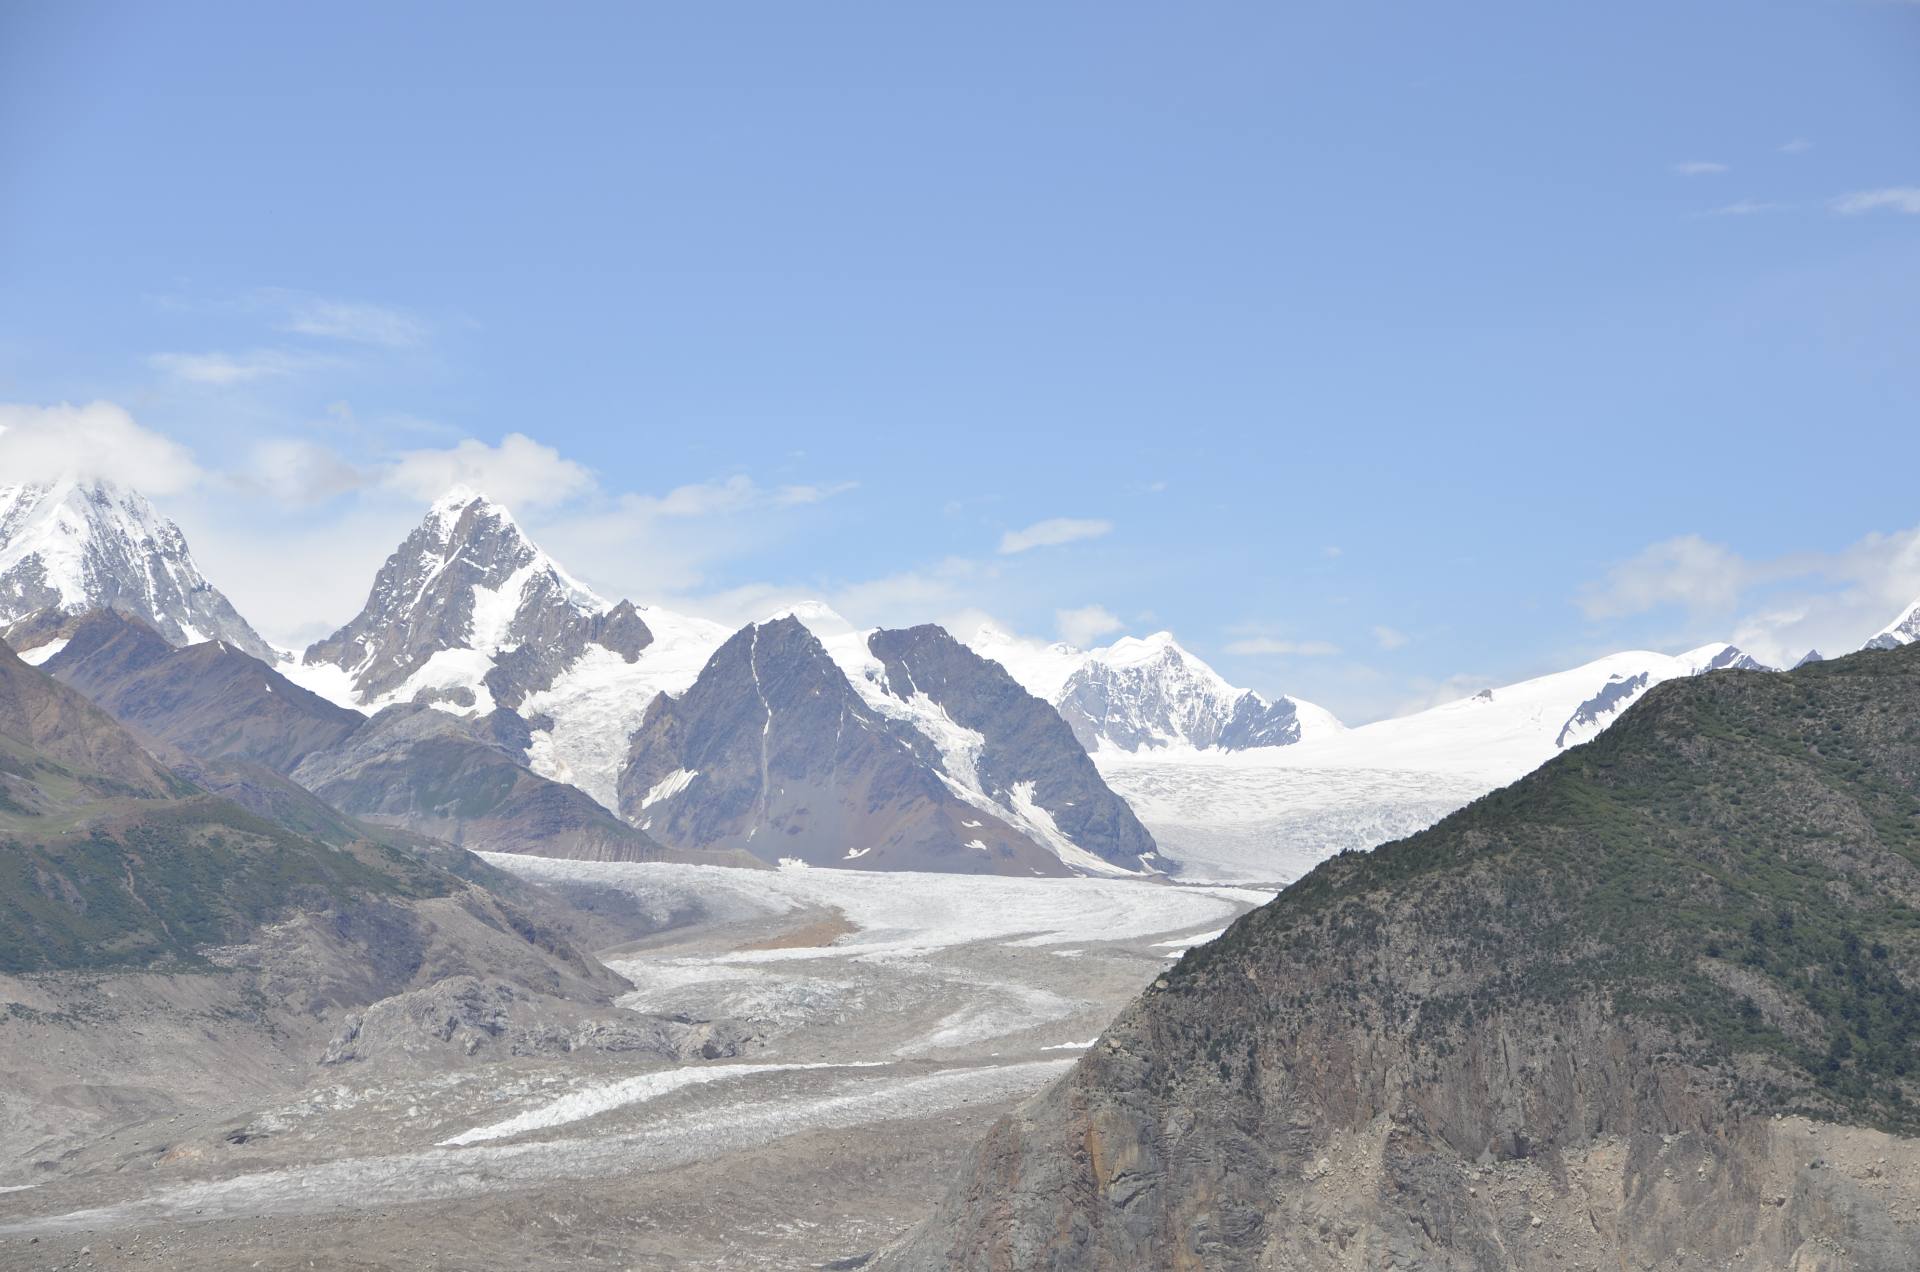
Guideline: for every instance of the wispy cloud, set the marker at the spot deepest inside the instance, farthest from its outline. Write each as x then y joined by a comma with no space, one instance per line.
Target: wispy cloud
1052,533
1744,207
1776,608
795,496
299,471
1687,571
1700,168
225,369
1268,646
1390,638
1798,146
1891,199
354,321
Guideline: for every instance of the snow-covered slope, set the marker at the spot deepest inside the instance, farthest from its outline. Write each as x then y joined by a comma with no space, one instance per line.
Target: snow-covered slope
1150,694
1501,733
1903,630
1272,813
77,546
583,720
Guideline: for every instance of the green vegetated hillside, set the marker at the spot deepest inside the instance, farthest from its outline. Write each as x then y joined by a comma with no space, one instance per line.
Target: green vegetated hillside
1739,857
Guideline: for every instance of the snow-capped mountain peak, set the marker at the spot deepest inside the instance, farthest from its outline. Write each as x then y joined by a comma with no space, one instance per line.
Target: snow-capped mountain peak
469,614
80,545
1149,693
1903,630
466,587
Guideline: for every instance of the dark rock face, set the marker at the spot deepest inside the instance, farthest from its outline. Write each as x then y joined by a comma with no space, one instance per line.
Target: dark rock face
78,547
422,769
1657,1004
774,752
467,578
1614,696
1025,743
211,700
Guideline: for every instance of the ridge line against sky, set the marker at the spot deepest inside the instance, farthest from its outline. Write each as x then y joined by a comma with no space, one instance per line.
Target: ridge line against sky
1379,361
1845,596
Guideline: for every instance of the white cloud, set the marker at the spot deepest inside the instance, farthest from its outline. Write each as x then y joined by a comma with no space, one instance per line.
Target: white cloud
1700,168
97,441
1776,608
1052,533
930,594
1798,146
1268,646
1892,199
1390,638
354,321
519,472
1686,571
226,369
795,496
299,471
1085,625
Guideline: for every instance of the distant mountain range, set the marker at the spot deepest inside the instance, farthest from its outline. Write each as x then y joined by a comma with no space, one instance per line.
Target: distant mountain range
619,729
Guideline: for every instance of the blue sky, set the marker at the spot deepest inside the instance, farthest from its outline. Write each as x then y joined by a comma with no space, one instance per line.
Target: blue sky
1380,351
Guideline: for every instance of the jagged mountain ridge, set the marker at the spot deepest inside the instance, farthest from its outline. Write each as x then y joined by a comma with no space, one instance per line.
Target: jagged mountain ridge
78,546
1657,1002
797,749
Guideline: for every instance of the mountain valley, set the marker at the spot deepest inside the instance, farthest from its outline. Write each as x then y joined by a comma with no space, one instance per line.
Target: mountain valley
447,937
